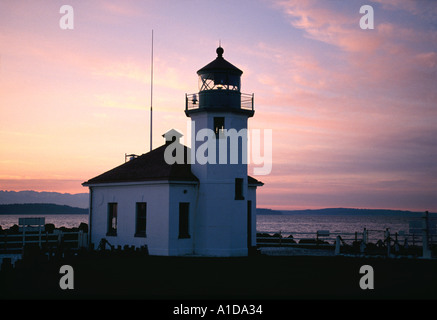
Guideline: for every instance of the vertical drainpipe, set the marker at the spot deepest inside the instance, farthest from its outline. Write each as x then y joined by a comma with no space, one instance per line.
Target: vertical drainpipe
90,216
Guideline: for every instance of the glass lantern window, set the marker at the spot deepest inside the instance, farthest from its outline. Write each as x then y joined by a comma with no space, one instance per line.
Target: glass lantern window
219,81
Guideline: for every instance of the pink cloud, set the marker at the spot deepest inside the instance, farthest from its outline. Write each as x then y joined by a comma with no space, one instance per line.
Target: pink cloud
385,62
427,59
124,8
330,25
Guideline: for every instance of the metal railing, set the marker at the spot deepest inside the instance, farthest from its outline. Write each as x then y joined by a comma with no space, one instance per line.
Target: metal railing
192,101
367,240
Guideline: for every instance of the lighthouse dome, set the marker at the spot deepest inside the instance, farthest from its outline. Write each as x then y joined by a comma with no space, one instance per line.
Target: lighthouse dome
220,64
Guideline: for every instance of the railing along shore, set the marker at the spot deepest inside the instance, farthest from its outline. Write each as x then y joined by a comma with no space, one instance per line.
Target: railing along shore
367,241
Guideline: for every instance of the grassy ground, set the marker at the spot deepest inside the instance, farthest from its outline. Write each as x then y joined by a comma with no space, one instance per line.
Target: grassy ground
132,276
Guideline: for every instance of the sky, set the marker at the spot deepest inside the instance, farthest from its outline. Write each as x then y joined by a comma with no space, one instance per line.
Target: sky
353,111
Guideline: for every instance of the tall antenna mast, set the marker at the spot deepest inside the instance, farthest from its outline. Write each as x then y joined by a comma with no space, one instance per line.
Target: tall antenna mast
151,95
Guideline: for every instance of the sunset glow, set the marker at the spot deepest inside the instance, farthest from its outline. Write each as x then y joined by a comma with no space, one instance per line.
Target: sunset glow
353,112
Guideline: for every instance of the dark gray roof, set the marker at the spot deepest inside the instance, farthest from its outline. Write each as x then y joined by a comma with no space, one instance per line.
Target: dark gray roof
253,181
150,166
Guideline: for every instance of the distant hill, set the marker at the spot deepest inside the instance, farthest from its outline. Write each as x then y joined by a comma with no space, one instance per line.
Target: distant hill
40,209
79,200
267,211
342,211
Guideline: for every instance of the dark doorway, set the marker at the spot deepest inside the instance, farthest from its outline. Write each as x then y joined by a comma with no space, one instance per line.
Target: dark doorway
184,218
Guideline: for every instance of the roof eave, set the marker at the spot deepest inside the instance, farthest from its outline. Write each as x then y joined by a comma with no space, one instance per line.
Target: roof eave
144,182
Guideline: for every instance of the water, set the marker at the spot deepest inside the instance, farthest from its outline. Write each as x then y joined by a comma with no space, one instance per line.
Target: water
270,223
311,223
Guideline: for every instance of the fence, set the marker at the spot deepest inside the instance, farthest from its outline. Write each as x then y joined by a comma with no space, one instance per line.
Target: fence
326,238
422,232
376,241
33,231
13,243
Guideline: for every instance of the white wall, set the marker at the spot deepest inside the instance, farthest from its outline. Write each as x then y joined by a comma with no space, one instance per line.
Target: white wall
221,221
157,198
162,228
217,171
181,193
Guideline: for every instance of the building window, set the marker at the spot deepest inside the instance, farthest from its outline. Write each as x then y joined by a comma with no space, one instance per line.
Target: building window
112,219
184,215
239,189
141,219
219,126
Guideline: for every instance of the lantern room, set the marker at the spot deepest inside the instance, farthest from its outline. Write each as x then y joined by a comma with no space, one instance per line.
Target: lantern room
219,89
219,75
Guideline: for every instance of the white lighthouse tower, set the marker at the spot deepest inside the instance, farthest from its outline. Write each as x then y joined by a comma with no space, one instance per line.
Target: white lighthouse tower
225,220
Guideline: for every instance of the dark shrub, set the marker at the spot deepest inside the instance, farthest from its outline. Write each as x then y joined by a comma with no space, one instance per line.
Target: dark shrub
83,227
49,227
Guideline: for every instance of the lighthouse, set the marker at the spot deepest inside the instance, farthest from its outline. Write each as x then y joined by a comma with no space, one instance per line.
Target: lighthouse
219,112
201,204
